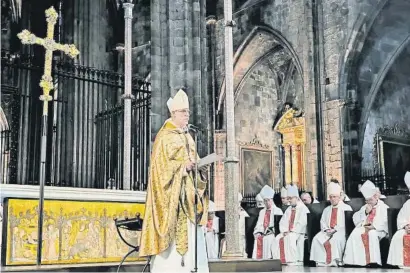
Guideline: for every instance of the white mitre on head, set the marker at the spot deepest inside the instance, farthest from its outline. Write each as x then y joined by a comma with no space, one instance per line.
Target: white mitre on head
240,197
334,189
212,207
267,192
179,102
407,180
293,191
368,189
258,198
283,192
382,196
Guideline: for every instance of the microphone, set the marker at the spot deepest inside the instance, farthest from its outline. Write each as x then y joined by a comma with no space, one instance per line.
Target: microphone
193,128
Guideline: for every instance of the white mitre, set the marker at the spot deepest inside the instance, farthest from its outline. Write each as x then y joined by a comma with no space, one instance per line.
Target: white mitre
212,207
267,192
259,201
382,196
258,198
240,197
293,191
334,189
368,189
407,180
179,102
283,192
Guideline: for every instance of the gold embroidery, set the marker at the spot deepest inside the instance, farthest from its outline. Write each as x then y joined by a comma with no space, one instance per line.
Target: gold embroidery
170,194
182,234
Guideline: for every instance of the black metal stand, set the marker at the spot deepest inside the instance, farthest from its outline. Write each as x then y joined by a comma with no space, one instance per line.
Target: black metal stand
134,224
196,202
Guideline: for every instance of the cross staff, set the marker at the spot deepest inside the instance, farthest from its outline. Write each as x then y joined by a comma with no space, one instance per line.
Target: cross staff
46,84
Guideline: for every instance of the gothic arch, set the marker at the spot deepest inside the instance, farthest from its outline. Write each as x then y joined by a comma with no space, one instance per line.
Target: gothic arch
377,39
261,42
355,43
4,125
378,82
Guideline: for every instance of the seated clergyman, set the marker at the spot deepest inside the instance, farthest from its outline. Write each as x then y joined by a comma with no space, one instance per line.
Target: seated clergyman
307,199
399,251
264,231
329,243
212,232
362,247
289,244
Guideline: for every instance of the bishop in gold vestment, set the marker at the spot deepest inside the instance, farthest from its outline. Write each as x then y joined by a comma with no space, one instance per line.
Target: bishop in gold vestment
168,233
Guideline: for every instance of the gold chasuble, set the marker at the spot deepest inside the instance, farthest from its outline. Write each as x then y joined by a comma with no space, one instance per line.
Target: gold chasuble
171,193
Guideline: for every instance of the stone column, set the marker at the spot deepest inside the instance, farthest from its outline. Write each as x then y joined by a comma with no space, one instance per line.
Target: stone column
295,166
178,59
127,97
333,140
231,161
288,165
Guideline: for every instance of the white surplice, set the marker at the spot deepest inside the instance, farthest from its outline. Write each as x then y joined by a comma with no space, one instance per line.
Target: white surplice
355,252
242,231
337,241
212,239
170,260
396,251
293,242
267,233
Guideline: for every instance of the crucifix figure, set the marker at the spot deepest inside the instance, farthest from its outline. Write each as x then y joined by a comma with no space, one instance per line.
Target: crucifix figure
50,45
46,84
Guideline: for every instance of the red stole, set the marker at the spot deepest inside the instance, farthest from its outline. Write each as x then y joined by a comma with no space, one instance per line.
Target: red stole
259,241
281,241
327,245
406,250
365,236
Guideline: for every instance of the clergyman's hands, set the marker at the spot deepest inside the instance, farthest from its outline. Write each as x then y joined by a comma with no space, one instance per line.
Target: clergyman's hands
369,227
407,229
330,232
368,208
189,166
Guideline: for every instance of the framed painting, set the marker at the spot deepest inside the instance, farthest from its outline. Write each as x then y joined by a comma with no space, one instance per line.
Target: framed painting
256,169
392,155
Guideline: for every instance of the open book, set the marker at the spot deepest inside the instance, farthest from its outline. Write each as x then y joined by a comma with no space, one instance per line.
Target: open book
209,159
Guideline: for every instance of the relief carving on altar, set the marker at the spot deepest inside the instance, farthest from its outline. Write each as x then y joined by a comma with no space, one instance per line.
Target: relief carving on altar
391,151
73,231
292,128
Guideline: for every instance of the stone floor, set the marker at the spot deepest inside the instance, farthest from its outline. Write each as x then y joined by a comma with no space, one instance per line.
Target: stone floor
290,269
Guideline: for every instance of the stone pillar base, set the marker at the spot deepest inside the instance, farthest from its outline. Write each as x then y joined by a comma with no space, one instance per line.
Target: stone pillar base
232,255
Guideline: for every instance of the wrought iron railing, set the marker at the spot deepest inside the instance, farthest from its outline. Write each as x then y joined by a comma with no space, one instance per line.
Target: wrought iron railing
388,184
84,146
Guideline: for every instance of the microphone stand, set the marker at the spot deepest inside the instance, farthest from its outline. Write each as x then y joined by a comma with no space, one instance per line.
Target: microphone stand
196,199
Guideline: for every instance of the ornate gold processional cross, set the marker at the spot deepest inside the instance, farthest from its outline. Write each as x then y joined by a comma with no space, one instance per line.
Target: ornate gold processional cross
50,45
46,84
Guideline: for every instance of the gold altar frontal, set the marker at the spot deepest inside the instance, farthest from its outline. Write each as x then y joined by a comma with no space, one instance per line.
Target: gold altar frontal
74,232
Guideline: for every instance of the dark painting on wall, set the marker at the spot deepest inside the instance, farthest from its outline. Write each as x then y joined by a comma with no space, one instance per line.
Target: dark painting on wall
396,158
256,170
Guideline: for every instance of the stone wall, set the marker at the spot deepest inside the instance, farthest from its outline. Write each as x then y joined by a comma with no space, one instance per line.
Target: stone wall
255,112
294,21
141,39
332,141
391,106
